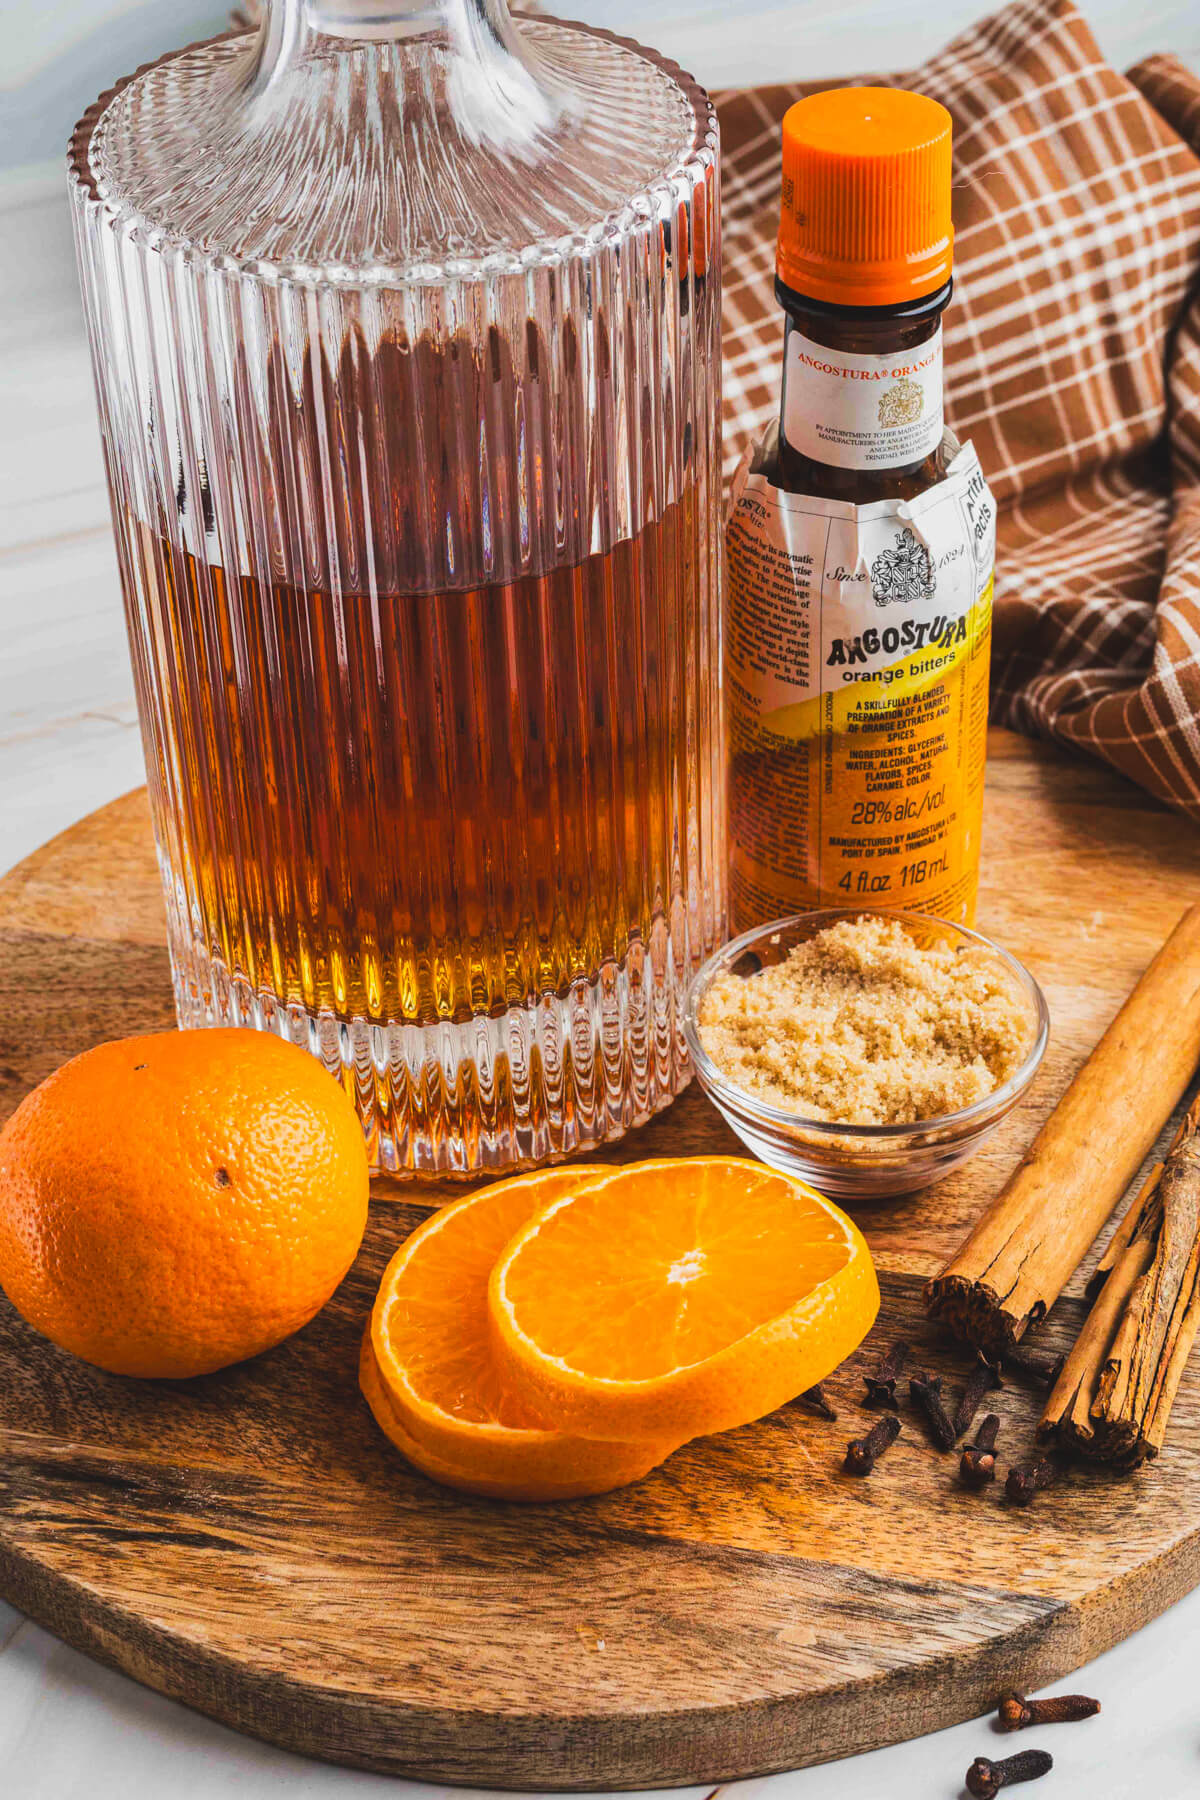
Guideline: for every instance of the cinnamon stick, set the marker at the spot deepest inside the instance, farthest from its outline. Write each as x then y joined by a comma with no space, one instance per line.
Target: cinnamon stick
1123,1235
1028,1244
1114,1396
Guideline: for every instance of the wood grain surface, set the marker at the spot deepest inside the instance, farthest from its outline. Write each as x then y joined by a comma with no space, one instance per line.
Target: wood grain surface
250,1544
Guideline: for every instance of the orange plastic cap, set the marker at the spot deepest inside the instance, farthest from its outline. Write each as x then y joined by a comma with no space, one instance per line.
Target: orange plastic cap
865,213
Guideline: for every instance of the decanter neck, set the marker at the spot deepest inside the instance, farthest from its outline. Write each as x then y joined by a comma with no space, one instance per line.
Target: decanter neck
503,90
290,24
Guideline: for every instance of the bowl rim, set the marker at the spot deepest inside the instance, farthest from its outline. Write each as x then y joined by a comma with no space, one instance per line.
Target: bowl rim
791,1122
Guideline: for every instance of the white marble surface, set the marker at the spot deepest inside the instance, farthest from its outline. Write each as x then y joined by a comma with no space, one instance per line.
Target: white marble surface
70,1730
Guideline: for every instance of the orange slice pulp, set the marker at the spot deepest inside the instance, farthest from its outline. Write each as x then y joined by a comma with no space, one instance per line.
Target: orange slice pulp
669,1299
428,1374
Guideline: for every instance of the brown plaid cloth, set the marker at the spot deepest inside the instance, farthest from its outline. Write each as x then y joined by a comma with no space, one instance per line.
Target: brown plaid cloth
1072,362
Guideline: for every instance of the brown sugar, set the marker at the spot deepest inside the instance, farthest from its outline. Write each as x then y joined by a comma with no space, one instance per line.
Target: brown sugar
863,1026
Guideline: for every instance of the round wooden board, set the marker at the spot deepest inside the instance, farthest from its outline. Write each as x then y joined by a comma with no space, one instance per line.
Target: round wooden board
250,1544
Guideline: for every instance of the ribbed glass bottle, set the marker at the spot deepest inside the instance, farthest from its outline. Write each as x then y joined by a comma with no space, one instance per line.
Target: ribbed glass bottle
405,325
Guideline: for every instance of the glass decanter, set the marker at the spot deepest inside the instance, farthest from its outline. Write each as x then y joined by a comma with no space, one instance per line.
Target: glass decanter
405,322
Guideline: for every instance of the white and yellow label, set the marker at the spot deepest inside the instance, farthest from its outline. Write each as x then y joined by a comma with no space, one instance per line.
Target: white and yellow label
856,668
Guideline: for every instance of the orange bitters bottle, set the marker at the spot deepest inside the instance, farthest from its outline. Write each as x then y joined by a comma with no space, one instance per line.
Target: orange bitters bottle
860,543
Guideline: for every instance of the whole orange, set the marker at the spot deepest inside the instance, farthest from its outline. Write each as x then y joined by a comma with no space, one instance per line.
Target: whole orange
173,1203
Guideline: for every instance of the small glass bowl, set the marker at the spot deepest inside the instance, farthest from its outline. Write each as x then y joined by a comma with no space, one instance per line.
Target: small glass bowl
857,1162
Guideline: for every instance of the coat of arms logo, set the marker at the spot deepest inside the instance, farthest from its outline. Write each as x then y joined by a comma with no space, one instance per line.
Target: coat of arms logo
902,403
904,572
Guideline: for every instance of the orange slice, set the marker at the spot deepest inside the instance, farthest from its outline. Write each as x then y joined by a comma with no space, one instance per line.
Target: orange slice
669,1299
379,1400
557,1468
428,1374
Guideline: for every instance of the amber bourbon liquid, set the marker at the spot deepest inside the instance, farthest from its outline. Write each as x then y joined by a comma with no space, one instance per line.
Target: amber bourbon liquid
433,803
420,808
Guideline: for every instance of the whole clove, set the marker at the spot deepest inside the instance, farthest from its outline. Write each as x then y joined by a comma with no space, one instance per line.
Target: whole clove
977,1465
925,1392
863,1453
881,1386
1017,1711
814,1397
1024,1481
982,1379
985,1778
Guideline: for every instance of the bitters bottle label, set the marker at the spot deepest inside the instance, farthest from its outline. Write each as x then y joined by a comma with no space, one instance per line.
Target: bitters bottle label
850,411
857,645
